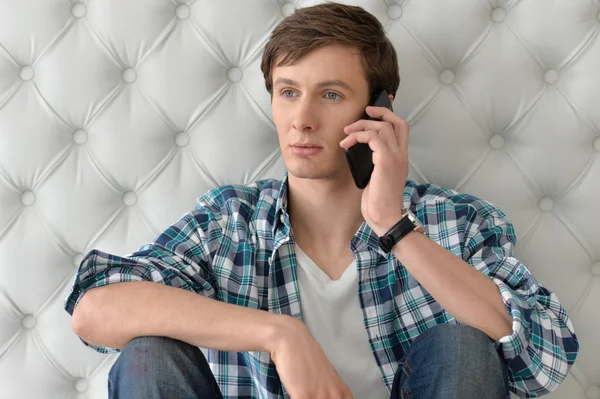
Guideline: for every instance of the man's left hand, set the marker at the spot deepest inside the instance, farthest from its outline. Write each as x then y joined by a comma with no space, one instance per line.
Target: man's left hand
381,204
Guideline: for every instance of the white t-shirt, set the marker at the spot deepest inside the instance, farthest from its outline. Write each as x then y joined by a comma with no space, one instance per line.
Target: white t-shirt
331,311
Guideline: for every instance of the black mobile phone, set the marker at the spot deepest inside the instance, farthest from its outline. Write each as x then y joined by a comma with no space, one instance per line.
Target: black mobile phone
360,155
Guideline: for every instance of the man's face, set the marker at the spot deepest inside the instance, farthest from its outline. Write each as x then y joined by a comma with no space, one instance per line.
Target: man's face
313,100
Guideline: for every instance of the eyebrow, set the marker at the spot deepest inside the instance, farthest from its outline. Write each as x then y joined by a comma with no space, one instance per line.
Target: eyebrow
332,82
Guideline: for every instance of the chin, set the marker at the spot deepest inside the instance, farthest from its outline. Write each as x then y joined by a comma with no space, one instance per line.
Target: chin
312,171
308,173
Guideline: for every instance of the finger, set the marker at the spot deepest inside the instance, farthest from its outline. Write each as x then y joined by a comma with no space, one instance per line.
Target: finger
365,124
401,126
369,137
390,138
385,130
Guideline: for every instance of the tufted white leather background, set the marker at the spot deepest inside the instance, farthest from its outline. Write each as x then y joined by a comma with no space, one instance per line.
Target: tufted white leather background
116,114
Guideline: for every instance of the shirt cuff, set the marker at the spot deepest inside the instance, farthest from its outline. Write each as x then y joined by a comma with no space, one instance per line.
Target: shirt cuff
514,344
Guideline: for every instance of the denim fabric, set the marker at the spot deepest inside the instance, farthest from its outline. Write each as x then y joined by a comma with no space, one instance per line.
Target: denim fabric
447,361
159,367
451,361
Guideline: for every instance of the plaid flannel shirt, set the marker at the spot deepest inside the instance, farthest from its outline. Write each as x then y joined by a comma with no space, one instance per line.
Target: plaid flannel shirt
237,246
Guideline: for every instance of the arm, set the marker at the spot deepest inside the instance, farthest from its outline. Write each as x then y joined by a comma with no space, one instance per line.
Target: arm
113,315
541,346
167,288
468,295
490,290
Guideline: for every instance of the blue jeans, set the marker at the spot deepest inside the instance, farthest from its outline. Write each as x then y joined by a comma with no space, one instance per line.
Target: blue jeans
447,361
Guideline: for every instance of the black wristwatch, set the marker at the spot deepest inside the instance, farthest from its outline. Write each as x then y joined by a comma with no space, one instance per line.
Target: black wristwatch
408,223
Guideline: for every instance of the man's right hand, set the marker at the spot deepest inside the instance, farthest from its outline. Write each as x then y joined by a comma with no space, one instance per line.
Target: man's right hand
302,366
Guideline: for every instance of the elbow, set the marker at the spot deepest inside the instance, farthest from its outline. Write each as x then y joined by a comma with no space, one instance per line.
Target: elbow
81,320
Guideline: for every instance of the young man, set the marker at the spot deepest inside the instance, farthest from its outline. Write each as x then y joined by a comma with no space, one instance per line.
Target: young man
286,283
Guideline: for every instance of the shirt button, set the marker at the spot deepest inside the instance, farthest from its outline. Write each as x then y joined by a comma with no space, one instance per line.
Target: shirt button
282,218
270,260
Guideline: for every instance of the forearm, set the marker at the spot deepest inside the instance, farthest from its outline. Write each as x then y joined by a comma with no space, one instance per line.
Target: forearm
469,296
113,315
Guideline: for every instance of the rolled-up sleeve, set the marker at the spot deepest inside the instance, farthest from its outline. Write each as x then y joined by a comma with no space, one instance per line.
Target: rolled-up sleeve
543,344
180,257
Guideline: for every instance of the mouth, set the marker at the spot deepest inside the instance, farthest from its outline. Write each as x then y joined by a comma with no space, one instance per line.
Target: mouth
306,149
306,146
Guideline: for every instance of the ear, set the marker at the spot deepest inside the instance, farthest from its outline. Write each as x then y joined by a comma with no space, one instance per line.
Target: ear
391,98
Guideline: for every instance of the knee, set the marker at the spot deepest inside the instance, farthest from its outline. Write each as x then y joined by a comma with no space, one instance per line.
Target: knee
148,350
460,356
142,356
456,340
160,367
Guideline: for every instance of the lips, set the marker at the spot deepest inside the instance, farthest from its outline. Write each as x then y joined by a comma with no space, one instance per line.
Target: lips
306,150
306,146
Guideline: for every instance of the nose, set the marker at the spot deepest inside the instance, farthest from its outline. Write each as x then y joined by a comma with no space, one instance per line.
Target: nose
305,116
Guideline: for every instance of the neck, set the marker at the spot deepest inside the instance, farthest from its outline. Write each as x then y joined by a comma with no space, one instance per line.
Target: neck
324,213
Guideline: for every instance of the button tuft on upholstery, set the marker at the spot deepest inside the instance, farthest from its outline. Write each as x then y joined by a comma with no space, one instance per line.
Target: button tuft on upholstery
129,75
26,73
182,139
447,77
597,144
394,11
129,198
546,204
80,136
235,74
596,272
77,258
497,141
551,76
81,385
593,392
183,11
28,321
79,10
498,14
27,197
287,9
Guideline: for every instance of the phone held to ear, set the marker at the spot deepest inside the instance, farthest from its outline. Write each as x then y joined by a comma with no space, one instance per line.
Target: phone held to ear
360,155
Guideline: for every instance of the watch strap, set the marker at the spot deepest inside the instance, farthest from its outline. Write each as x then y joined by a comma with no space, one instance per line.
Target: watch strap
396,233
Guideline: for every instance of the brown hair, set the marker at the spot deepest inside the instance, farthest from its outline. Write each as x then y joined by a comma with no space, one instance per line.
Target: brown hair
332,23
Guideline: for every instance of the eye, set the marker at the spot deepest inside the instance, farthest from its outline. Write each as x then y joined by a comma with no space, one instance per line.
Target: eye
332,95
288,93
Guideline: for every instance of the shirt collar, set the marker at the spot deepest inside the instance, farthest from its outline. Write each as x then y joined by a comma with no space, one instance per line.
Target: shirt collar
281,215
365,235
